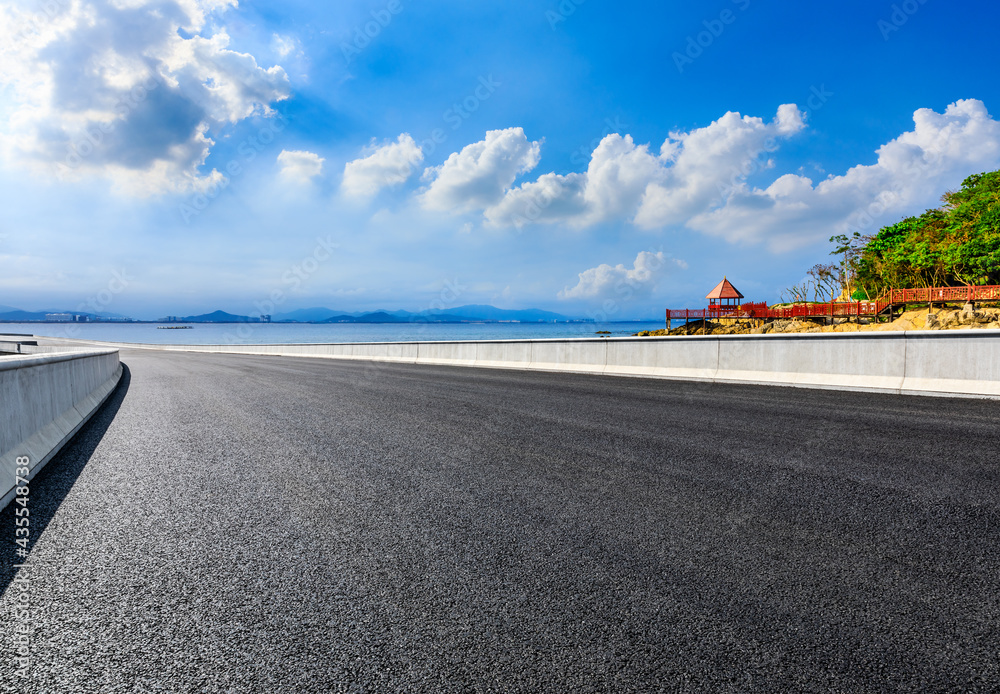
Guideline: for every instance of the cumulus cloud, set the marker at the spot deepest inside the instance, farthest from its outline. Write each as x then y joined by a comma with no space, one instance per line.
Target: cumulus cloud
704,165
911,173
551,198
384,166
620,282
299,166
625,181
115,89
479,175
699,180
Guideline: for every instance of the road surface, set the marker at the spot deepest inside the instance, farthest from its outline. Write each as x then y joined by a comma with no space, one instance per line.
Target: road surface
236,523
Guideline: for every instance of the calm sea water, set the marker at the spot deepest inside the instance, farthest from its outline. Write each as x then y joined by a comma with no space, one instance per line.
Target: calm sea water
289,333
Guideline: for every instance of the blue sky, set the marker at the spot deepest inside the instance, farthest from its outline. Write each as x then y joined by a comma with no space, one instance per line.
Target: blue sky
592,158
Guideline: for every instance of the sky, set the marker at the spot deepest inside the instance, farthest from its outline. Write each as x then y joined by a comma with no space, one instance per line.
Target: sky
604,160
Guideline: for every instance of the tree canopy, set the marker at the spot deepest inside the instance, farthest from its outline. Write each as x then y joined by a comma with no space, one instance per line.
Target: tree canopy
955,245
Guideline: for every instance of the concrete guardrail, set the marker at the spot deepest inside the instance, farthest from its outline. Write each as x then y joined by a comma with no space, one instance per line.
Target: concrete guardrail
45,399
951,363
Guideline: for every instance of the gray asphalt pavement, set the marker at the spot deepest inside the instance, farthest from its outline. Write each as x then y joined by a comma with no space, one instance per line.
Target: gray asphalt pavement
254,524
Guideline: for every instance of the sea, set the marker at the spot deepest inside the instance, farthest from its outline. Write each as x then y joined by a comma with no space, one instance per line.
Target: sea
321,333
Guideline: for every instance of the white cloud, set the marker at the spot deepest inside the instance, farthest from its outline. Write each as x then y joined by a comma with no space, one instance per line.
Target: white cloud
479,175
911,173
627,182
699,180
114,89
299,166
553,197
619,171
706,163
385,166
620,282
284,45
790,119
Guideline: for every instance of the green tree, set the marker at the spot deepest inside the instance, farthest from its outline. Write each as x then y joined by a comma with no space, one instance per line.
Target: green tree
956,244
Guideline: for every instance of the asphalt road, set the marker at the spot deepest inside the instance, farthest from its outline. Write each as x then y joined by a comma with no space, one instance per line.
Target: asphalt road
254,524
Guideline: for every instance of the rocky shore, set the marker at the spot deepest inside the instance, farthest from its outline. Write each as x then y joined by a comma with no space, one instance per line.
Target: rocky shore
965,318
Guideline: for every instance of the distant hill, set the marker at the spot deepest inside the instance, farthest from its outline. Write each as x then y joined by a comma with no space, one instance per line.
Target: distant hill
460,314
309,315
323,315
483,312
217,317
16,315
377,317
385,317
19,316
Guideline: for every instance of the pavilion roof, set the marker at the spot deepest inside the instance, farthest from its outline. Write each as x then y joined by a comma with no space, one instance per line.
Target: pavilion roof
724,290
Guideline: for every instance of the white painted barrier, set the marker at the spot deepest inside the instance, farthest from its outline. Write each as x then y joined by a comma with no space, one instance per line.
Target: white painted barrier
512,354
688,358
951,362
44,400
867,361
581,356
936,365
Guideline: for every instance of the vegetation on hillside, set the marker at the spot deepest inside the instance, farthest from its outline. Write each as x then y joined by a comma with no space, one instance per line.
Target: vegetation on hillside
955,245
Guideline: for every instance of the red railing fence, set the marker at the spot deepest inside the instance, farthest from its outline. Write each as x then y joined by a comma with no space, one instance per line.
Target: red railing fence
842,309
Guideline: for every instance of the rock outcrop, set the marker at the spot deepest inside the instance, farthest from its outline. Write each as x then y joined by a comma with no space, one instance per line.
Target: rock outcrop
966,318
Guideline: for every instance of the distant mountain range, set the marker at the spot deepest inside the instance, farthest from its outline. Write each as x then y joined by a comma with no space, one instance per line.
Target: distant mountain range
10,314
213,317
463,314
473,313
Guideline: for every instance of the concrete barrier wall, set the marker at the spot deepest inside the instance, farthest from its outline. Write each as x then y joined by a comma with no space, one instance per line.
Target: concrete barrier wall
504,355
961,362
954,362
935,364
582,356
45,400
869,361
688,358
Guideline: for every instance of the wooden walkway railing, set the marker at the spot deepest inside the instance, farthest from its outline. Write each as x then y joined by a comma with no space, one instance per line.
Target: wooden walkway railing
843,309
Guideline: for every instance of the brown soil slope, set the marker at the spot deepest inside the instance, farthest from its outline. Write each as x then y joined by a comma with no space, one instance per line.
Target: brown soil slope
947,319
